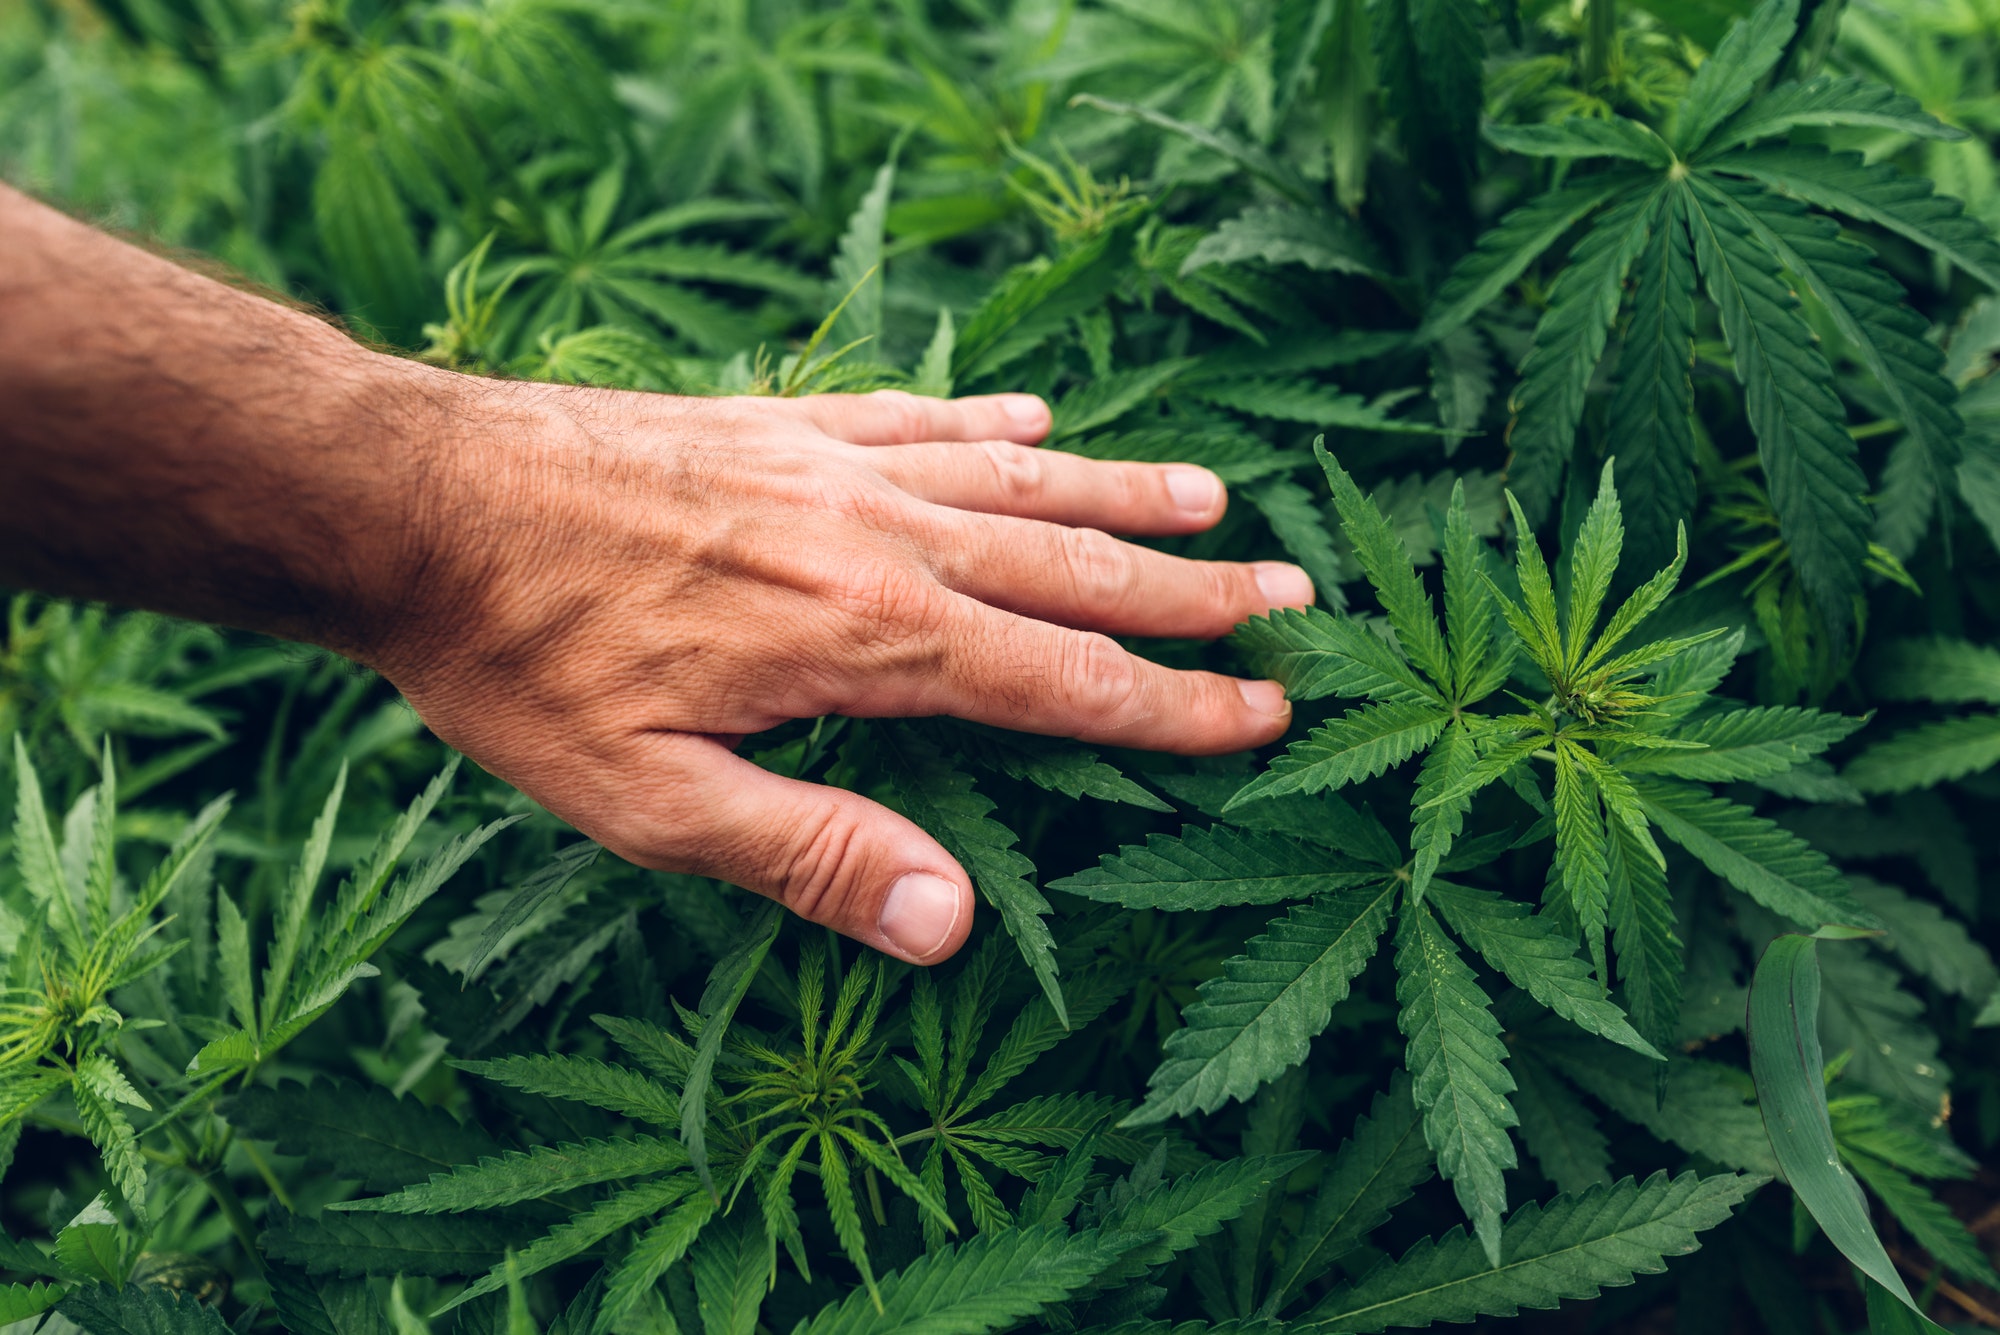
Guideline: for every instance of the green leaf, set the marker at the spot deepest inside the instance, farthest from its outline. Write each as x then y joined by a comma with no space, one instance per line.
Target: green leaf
731,1262
578,1234
1034,302
1810,461
1650,954
1651,420
35,855
534,891
1175,1217
1376,1169
1559,1131
1458,1063
992,1281
1928,941
1386,561
1928,755
1538,957
1569,341
1037,1027
1050,764
941,799
1942,670
1249,157
1506,249
1260,1015
1358,746
387,1244
1279,234
1725,81
583,1080
1061,1120
1895,1052
1317,654
1582,859
93,1246
1574,1247
1214,868
1877,193
1743,744
1778,870
1791,1092
1585,137
1868,308
98,1089
527,1175
1295,519
1438,824
289,925
933,373
232,948
359,1131
1704,1106
1480,659
1930,1222
857,263
1825,101
656,1250
1308,401
140,1309
1104,399
727,983
20,1302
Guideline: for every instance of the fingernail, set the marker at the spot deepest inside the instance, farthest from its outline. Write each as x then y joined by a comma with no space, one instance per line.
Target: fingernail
1266,697
1285,586
1195,490
920,914
1025,409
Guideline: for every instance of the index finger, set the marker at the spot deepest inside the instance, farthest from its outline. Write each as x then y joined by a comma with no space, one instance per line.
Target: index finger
895,417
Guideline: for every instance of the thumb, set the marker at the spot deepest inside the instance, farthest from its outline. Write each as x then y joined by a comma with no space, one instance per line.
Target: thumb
828,855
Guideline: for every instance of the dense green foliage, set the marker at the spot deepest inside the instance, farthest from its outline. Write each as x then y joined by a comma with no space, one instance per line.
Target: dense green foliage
1617,372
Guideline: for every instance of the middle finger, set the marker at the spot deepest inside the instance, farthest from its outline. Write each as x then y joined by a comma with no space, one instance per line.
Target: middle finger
1086,579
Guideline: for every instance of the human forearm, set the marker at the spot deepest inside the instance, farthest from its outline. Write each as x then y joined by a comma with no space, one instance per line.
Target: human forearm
171,442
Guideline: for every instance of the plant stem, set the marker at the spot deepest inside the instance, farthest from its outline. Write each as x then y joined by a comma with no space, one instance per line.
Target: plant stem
1600,40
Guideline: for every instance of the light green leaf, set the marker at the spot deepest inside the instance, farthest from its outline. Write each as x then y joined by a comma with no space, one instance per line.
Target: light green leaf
1214,868
1726,80
1458,1063
1361,744
1261,1014
1376,1169
1777,869
527,1175
1536,956
1574,1247
1584,137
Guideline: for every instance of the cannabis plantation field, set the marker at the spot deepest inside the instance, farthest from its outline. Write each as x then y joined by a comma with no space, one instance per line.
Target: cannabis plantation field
1608,936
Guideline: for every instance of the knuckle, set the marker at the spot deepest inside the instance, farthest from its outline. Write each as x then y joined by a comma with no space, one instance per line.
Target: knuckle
1020,475
815,878
1099,567
883,604
903,411
1102,677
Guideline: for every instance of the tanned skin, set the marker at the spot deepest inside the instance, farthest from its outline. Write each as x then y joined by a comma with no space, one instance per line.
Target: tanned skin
595,594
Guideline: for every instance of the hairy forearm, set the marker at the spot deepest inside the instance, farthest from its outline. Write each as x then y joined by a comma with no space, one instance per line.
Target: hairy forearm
170,442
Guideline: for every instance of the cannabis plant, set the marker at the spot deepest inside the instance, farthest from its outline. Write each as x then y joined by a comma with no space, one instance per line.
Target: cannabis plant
1610,924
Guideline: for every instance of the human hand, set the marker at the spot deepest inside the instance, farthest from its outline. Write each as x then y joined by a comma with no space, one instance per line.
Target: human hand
620,586
596,594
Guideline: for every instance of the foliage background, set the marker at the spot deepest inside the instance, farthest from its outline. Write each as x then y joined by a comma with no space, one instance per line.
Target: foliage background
1204,229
